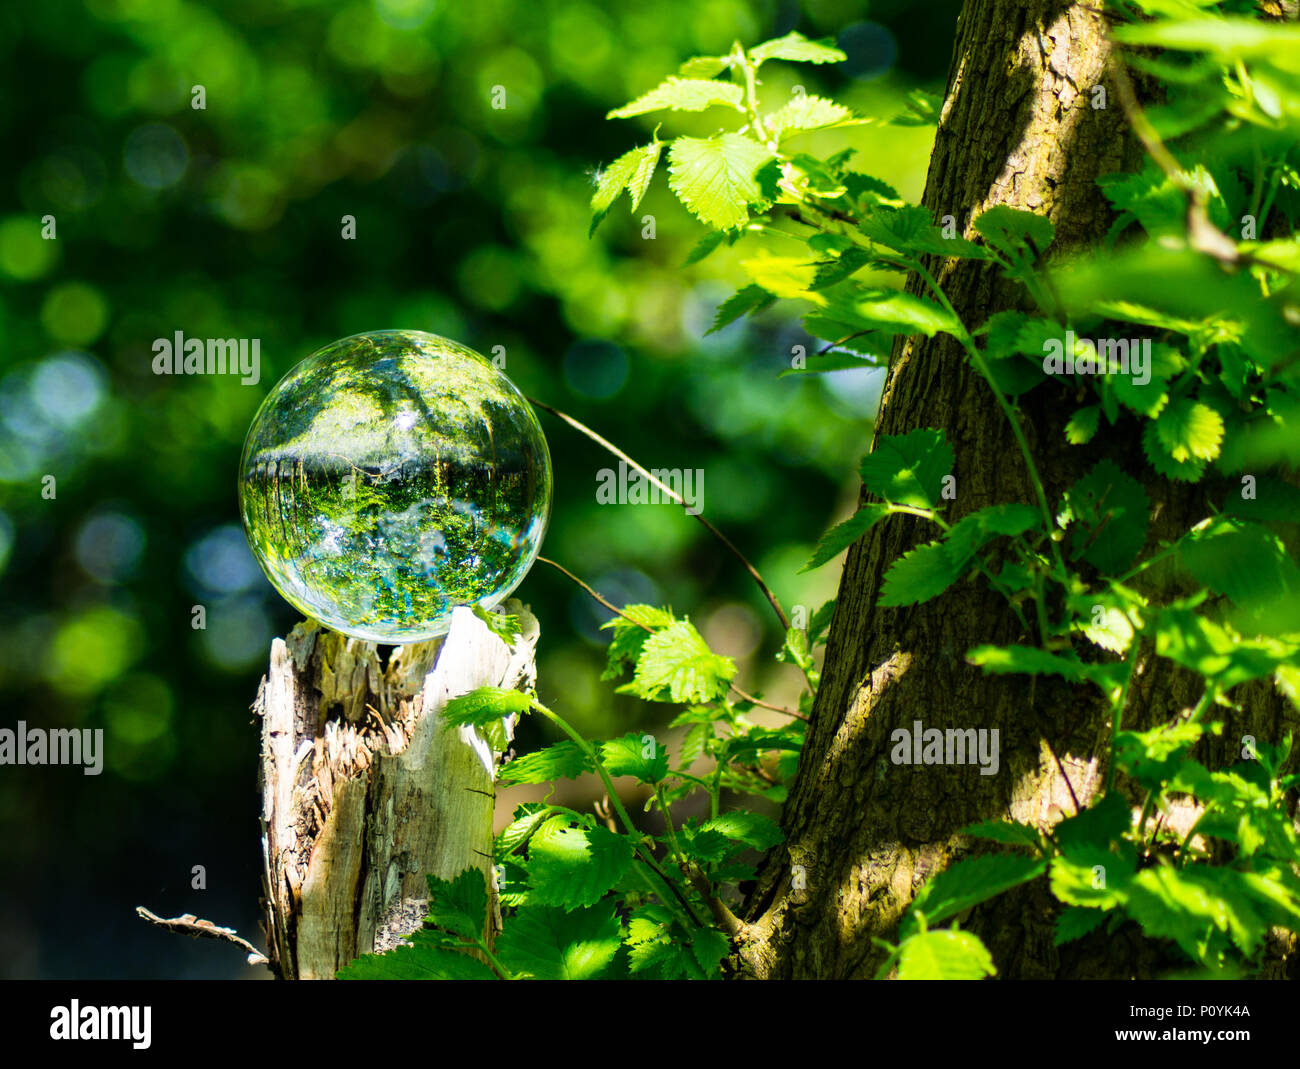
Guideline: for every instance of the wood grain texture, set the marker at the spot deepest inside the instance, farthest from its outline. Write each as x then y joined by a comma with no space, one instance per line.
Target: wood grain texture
364,793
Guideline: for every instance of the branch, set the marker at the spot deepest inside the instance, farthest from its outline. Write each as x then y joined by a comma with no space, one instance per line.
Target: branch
190,925
675,496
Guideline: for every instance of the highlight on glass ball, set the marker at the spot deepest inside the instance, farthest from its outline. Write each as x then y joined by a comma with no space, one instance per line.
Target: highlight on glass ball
391,477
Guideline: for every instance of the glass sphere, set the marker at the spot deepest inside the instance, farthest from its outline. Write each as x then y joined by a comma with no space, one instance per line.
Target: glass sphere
391,477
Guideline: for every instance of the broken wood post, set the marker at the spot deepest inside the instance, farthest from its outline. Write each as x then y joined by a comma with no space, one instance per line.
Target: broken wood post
364,793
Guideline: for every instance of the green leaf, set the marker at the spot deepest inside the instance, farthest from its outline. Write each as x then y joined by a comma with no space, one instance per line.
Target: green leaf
904,313
677,665
1083,425
1076,922
419,961
528,816
503,625
550,944
1010,230
1010,832
484,706
1190,430
683,94
842,535
562,760
1098,826
459,906
630,632
1242,560
574,866
784,276
908,469
970,882
714,177
1188,471
944,956
923,109
1227,38
809,112
973,532
631,171
919,575
1111,511
796,48
628,757
752,829
1185,904
1001,660
705,247
743,302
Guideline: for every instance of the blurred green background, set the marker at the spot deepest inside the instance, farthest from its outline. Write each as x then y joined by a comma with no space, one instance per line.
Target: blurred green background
471,222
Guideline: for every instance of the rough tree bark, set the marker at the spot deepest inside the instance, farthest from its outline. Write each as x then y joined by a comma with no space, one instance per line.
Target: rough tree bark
1018,127
363,791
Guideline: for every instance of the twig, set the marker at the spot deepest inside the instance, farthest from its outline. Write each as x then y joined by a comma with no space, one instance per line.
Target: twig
611,607
767,705
190,925
675,496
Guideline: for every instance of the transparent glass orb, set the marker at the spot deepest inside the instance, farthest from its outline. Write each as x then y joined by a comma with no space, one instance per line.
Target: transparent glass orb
391,477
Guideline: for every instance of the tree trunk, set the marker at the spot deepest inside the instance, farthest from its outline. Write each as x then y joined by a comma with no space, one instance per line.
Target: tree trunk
1018,127
364,793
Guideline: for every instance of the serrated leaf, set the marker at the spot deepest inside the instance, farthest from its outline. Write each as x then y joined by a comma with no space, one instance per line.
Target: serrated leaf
784,276
1188,471
944,956
503,625
905,313
1075,923
908,469
743,302
704,66
1242,560
714,177
1002,660
631,171
562,760
842,535
809,112
1010,832
796,48
630,632
528,816
459,906
1083,425
970,882
752,829
1190,430
1181,904
545,943
1010,230
1110,511
417,962
677,665
919,575
683,94
635,755
971,533
483,706
574,866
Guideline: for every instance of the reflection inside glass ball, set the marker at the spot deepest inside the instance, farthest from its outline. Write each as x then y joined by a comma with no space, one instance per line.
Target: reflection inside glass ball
391,477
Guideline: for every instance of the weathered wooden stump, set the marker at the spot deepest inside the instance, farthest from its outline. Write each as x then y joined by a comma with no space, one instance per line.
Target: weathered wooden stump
364,793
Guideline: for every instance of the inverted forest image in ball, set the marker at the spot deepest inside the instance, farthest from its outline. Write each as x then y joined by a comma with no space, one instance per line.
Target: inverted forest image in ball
390,477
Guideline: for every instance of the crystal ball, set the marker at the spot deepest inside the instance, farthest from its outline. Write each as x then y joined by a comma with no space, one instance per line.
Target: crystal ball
391,477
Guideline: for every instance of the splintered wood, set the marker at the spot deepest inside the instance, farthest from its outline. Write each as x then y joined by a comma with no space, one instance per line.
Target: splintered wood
364,793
